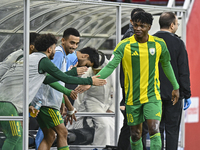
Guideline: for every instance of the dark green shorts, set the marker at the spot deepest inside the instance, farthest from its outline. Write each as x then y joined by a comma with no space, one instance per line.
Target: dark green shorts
150,110
10,128
49,117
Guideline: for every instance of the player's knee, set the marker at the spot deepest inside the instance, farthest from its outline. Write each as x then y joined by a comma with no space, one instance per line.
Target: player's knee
153,130
50,137
135,135
63,134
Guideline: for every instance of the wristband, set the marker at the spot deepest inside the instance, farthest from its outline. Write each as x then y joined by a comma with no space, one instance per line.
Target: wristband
69,113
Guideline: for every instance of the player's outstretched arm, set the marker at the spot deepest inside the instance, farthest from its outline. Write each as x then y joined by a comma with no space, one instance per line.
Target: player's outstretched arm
57,86
98,82
82,88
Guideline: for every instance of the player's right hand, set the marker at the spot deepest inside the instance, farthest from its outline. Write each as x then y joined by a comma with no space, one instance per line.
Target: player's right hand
98,82
81,70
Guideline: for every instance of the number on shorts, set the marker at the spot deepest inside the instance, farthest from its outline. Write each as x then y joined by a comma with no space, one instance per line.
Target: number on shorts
130,118
18,127
60,118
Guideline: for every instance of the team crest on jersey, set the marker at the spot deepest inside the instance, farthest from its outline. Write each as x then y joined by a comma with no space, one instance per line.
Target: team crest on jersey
152,51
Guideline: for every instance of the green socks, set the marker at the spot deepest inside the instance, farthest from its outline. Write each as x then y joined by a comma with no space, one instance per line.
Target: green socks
136,145
64,148
155,142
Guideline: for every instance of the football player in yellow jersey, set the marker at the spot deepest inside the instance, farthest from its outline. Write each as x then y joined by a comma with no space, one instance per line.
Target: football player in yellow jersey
140,55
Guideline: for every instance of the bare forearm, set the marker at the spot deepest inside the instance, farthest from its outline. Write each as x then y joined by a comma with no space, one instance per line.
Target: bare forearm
68,103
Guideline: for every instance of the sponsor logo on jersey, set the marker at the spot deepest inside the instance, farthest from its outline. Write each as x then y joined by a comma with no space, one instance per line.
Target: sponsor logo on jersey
135,53
152,51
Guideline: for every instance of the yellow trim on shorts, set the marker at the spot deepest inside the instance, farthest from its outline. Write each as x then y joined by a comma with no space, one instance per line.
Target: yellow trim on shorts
54,117
13,128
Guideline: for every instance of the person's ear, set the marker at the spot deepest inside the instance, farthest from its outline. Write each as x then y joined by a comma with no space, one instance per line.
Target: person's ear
63,40
131,22
85,55
171,26
149,26
49,49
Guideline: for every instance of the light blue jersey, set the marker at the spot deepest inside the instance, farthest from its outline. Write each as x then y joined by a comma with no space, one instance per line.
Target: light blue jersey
71,61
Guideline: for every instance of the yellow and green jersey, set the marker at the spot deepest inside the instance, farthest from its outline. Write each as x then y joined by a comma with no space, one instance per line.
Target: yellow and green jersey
140,65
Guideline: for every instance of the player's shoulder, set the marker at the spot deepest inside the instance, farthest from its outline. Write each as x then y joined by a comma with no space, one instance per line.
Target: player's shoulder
159,40
122,43
59,49
125,41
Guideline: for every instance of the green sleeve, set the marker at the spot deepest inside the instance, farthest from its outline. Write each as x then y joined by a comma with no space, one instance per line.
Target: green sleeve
72,72
114,61
50,79
63,100
167,68
45,65
60,88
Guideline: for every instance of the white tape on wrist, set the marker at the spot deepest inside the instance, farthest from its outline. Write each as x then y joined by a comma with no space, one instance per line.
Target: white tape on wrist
71,112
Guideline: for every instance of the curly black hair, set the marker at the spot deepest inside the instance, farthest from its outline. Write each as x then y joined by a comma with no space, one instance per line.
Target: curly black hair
136,10
142,17
44,41
33,36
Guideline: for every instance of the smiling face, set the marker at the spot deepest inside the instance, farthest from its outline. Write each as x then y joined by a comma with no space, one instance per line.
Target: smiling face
70,44
141,31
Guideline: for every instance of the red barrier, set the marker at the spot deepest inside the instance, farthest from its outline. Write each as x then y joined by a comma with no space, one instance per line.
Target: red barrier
192,132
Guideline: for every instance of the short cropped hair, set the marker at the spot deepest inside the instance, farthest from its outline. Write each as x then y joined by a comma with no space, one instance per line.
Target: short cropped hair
136,10
93,55
70,31
143,17
44,41
33,36
166,19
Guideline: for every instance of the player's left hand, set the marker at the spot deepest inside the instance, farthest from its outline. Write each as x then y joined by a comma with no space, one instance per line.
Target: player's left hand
187,103
97,81
70,116
73,94
175,96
